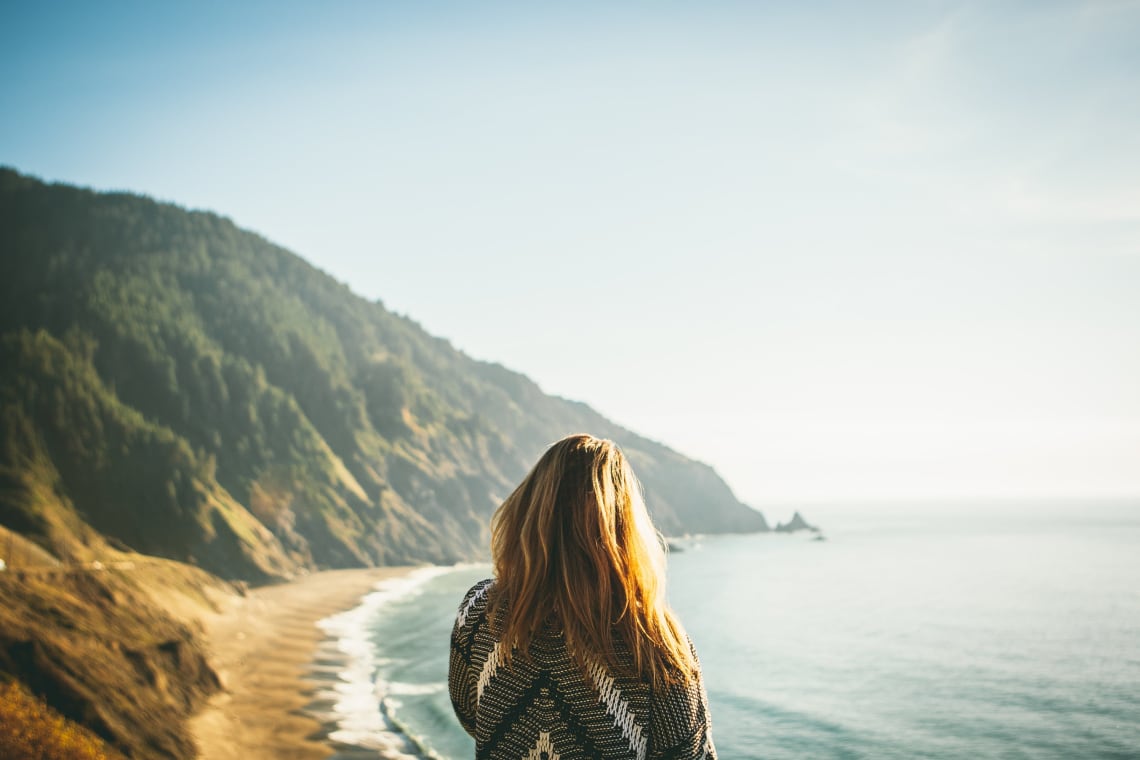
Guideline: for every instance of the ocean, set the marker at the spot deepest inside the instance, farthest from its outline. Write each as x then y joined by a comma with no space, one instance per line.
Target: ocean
982,630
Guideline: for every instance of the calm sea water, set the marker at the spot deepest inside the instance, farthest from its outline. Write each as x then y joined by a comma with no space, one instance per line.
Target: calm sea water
938,631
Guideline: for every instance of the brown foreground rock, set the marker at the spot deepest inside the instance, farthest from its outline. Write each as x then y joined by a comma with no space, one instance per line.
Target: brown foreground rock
96,646
162,660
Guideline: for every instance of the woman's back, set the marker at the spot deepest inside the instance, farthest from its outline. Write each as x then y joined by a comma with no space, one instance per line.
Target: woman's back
546,706
572,651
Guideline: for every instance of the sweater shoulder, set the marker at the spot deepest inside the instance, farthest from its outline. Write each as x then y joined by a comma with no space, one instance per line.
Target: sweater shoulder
474,602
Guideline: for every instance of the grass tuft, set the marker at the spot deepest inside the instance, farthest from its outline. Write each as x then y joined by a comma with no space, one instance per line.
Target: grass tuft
30,730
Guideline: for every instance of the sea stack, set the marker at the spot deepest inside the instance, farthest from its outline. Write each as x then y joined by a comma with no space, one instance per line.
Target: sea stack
797,523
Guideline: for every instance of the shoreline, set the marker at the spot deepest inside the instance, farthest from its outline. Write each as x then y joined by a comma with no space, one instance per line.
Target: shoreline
264,646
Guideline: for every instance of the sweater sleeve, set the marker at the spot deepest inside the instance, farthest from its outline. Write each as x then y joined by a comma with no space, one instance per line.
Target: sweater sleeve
681,724
462,672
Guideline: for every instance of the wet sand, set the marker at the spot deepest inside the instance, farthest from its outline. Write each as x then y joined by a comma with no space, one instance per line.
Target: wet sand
263,646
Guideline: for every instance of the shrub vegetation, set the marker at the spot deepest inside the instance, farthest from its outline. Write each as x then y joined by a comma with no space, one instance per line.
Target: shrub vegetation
30,730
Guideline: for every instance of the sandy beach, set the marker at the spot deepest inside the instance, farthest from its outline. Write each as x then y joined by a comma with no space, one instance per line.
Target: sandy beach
263,646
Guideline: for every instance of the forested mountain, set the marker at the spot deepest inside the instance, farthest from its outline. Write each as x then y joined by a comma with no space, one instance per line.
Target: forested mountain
180,387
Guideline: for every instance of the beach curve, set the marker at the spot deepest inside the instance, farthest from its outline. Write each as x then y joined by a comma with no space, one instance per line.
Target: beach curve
263,645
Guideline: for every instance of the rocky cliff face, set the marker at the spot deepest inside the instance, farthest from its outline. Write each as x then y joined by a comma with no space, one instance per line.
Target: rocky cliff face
180,387
96,647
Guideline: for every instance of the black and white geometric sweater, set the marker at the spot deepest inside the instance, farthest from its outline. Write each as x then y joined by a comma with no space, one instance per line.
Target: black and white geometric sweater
546,708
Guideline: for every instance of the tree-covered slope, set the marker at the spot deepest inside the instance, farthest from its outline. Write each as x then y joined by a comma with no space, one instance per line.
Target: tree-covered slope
185,388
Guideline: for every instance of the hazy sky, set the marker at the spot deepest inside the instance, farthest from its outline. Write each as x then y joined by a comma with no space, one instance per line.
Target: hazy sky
859,251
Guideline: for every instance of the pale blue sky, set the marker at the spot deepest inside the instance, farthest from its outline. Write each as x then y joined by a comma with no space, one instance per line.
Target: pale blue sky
859,251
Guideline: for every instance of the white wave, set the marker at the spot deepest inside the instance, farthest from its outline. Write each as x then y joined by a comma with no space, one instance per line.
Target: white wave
397,687
358,696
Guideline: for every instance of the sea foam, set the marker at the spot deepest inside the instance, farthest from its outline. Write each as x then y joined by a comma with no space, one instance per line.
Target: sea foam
358,697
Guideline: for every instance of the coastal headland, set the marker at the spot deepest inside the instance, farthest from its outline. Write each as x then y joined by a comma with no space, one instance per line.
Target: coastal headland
190,410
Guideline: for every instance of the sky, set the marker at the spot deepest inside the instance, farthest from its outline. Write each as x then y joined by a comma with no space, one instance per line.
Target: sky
839,251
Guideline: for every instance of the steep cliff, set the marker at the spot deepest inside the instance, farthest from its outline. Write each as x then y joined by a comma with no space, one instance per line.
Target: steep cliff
184,388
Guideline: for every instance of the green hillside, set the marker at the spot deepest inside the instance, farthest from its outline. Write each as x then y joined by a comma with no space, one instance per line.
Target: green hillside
174,385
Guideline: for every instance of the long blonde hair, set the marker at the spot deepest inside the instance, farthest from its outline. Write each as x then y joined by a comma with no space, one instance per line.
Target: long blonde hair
574,544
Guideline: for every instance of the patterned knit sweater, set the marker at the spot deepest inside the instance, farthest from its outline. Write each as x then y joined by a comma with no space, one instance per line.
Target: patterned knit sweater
545,708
